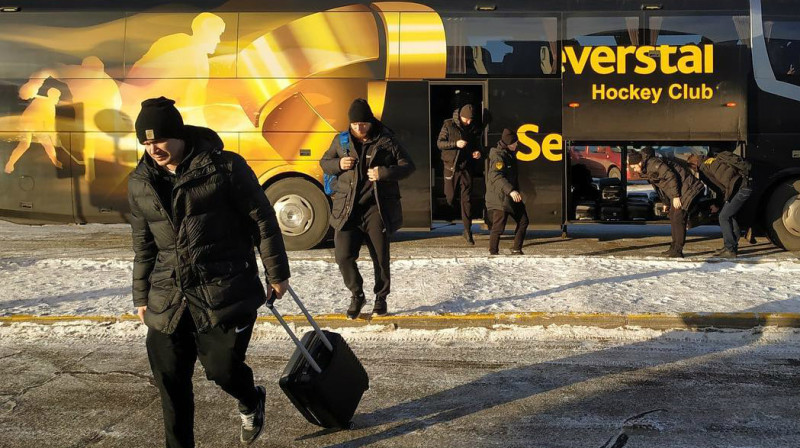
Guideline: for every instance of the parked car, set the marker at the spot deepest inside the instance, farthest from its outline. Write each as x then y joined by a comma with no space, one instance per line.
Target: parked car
602,161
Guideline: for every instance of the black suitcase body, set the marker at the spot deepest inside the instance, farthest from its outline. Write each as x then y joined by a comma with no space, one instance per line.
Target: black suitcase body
611,213
324,379
639,210
611,190
330,398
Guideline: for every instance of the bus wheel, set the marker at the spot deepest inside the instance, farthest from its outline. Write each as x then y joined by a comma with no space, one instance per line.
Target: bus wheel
614,172
783,215
302,210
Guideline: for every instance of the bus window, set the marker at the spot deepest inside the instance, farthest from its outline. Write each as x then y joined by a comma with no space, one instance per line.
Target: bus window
602,31
698,30
486,46
783,48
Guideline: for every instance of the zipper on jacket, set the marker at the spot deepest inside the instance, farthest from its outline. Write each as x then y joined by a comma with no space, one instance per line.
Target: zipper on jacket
375,191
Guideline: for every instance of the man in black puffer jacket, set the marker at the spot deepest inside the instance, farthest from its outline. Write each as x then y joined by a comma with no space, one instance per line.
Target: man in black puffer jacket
196,214
503,198
459,141
677,185
730,174
366,200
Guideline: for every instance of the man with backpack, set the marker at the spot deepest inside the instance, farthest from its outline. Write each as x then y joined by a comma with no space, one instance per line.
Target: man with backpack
731,175
367,161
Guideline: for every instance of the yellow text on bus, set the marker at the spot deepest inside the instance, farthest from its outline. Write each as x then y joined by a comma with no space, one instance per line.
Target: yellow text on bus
551,148
603,60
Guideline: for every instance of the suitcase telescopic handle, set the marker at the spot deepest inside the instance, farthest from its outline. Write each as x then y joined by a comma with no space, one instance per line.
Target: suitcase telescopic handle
271,305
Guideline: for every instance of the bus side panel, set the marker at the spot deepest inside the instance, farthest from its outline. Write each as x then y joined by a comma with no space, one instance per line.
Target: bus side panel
406,114
514,103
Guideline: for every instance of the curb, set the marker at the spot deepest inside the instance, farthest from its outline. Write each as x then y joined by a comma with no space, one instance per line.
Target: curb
686,321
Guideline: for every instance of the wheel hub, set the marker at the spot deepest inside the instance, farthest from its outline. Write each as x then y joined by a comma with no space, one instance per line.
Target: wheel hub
295,214
791,215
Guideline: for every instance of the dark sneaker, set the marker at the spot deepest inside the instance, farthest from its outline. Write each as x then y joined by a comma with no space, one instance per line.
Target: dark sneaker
468,238
667,252
253,423
674,254
356,303
517,252
725,253
380,308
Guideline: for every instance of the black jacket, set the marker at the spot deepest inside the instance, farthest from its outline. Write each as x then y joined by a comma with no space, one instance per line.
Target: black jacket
672,180
201,255
454,157
723,176
501,178
394,164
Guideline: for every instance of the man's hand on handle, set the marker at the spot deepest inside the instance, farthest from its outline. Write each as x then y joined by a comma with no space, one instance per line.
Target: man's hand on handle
279,288
476,154
676,203
515,196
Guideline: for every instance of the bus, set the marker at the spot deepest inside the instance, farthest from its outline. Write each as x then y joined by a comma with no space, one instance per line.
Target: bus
583,83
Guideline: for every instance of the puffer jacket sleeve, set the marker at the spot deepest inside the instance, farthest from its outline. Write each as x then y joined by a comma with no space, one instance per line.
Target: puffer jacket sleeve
667,179
330,160
404,167
443,142
144,251
494,176
250,200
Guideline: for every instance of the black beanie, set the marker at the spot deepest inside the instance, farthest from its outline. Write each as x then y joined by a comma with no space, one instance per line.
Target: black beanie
634,158
509,137
159,119
647,152
466,111
360,112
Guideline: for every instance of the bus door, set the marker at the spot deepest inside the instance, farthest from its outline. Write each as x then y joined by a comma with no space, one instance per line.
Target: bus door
445,99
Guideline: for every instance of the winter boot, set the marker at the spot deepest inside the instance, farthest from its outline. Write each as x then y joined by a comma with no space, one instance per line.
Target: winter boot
674,253
468,237
356,303
380,308
724,253
517,252
253,423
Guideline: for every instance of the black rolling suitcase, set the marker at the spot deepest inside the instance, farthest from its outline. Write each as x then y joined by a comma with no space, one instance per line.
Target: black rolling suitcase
324,380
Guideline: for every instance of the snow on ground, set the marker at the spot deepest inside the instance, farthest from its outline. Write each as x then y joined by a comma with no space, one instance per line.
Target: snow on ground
57,286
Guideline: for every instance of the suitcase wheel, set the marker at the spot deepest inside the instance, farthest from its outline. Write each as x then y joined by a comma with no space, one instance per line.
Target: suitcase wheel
351,425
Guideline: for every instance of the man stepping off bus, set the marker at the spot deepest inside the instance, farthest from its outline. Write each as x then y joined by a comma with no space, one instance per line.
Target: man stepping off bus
368,162
678,187
459,143
503,198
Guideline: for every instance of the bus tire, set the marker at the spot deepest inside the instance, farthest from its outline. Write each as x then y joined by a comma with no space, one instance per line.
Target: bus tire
783,215
303,212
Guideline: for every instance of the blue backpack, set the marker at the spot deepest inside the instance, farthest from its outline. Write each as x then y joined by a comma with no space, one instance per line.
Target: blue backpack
329,180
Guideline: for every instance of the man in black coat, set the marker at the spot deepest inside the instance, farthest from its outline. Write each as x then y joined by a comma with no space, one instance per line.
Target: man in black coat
368,162
677,185
459,143
196,214
729,174
503,198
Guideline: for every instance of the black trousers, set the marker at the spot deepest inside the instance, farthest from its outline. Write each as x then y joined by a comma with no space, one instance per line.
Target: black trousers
364,226
499,219
172,358
677,221
461,181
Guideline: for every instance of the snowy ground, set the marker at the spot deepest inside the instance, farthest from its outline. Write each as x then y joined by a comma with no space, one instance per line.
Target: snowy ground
482,284
76,385
86,270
